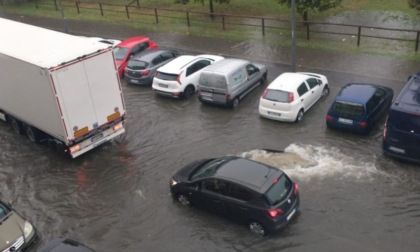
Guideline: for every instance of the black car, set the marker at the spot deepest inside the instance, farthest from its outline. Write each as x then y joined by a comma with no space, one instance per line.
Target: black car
401,136
65,245
142,67
258,195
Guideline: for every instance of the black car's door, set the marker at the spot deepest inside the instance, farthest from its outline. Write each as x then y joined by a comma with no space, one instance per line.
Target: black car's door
238,203
211,198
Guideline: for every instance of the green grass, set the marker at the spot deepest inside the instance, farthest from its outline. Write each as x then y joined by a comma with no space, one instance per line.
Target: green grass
203,26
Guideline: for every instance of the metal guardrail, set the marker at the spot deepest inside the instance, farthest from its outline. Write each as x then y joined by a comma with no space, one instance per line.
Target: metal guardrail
154,15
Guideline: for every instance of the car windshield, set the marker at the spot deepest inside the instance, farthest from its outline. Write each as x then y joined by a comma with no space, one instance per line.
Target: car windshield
137,65
277,95
279,190
209,168
348,108
120,52
4,212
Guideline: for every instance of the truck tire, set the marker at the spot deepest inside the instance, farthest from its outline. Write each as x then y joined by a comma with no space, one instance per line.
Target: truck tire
33,134
16,126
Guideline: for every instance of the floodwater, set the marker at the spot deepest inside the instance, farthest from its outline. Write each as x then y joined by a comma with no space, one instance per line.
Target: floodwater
117,198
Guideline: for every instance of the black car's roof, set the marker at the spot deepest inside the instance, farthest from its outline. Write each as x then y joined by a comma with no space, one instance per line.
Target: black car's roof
249,173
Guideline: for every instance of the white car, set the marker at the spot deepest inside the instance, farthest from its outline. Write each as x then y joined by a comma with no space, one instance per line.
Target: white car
179,78
290,95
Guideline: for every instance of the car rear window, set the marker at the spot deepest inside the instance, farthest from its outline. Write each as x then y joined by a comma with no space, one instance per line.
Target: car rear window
279,190
404,121
348,108
277,95
137,65
166,76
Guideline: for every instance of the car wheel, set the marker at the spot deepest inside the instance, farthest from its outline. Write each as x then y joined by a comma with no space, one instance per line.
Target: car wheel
299,116
235,102
184,200
33,134
256,228
325,91
17,126
189,91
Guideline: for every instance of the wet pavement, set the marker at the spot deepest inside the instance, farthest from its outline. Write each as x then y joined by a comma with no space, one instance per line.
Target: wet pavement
117,196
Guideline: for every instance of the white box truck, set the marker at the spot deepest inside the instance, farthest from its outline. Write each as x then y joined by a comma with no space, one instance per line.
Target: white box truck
59,87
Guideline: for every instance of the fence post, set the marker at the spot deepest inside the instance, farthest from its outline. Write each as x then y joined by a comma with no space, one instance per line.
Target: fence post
36,4
138,3
100,6
307,32
77,7
126,11
358,35
55,4
156,16
263,26
223,21
188,19
417,41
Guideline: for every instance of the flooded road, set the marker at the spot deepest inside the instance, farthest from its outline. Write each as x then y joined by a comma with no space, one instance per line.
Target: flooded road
117,196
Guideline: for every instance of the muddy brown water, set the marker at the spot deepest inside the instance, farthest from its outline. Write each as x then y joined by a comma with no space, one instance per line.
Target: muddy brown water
117,197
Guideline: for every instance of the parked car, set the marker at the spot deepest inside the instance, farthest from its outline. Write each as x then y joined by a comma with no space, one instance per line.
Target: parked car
227,81
401,136
65,245
358,106
291,95
258,195
142,67
16,233
128,48
179,78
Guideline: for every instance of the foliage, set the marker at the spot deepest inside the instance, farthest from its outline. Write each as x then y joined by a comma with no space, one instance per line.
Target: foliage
304,6
415,4
202,1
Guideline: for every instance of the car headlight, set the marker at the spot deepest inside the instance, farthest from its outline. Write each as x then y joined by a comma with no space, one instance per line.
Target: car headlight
173,182
27,230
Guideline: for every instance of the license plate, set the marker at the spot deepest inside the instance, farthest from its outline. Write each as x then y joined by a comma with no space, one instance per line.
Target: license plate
97,137
346,121
163,85
398,150
134,81
291,214
207,96
274,113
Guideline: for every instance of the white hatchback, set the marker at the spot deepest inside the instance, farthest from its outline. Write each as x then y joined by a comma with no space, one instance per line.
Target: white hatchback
290,95
179,78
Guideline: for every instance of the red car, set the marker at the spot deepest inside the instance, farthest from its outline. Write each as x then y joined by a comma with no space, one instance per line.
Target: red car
128,48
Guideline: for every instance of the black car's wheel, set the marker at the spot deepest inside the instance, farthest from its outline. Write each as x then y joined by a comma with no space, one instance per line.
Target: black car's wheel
325,91
299,116
17,126
235,103
256,228
183,199
33,134
189,91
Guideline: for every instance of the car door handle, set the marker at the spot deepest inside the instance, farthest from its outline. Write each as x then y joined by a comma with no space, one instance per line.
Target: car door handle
313,92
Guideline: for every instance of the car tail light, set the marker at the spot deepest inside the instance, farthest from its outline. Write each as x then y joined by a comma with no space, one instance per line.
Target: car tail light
329,118
363,124
126,70
296,188
145,73
228,97
198,92
156,73
291,97
178,78
274,212
385,128
264,93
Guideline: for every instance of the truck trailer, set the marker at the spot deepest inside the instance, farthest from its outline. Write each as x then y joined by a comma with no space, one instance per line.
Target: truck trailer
59,87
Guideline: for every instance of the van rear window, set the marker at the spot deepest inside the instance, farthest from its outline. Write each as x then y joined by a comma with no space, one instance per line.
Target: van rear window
212,80
348,108
277,95
165,76
279,190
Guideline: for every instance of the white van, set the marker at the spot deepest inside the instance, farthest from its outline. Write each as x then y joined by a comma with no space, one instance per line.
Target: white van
227,81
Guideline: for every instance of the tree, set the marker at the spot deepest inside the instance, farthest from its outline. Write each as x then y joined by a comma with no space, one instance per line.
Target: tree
202,1
415,4
304,6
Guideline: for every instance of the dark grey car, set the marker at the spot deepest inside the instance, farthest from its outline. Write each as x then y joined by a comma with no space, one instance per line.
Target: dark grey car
141,68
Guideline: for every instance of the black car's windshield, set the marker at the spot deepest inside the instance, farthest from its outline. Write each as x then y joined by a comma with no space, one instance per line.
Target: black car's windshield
348,108
209,168
120,52
279,190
